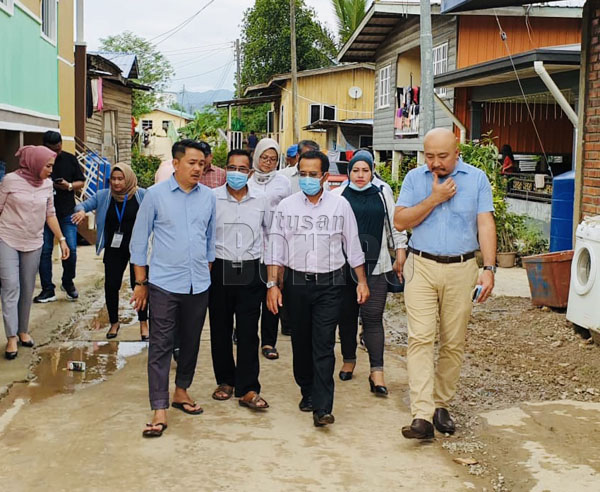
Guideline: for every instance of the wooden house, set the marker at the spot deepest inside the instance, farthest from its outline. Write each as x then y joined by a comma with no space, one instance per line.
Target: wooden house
389,37
335,106
109,125
160,130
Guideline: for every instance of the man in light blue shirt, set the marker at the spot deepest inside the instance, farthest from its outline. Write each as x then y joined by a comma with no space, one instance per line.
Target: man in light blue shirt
179,215
448,205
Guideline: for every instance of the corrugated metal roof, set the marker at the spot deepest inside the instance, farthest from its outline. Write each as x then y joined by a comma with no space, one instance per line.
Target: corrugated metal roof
127,62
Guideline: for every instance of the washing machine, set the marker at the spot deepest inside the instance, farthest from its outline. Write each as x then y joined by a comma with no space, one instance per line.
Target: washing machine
584,292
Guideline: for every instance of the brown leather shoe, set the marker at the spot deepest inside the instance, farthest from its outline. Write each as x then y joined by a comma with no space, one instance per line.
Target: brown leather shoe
418,429
443,422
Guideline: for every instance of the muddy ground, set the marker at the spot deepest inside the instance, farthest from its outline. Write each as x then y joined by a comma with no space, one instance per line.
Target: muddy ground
516,355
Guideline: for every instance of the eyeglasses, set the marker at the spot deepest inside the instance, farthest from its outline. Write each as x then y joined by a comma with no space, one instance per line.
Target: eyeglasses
243,170
311,174
270,160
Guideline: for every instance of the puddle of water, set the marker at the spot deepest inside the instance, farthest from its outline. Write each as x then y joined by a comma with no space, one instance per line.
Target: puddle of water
101,358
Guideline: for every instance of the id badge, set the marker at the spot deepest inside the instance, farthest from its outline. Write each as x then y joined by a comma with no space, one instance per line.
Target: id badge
117,240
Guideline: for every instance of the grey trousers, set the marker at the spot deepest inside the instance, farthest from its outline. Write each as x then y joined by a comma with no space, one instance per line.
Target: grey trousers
173,314
17,273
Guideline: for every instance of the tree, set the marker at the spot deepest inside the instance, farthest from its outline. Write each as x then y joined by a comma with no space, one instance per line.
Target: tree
175,106
154,68
206,125
350,14
266,40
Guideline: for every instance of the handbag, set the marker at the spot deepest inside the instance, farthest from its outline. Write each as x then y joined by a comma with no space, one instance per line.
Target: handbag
395,285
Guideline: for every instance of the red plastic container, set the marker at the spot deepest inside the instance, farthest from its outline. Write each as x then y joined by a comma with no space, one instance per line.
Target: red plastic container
549,278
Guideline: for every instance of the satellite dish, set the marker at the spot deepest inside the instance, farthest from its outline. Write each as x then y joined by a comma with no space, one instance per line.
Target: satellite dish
355,92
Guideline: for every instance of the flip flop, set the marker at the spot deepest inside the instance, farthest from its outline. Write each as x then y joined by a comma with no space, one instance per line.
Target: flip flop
270,353
181,406
153,432
252,403
223,388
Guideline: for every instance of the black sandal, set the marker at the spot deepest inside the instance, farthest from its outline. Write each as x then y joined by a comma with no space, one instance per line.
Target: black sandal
181,406
153,432
270,353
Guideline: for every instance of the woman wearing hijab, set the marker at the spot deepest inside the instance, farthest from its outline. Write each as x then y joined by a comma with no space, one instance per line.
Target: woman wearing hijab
26,203
277,187
374,210
116,210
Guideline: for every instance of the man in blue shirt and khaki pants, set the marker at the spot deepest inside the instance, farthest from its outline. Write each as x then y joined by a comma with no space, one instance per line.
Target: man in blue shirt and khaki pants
448,205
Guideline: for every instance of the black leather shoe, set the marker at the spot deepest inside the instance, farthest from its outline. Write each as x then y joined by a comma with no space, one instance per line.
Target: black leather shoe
346,376
418,429
305,404
29,343
322,419
443,422
377,389
110,335
10,355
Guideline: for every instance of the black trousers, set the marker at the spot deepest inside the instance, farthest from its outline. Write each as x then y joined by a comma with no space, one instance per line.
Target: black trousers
269,322
170,314
314,310
372,318
235,292
115,264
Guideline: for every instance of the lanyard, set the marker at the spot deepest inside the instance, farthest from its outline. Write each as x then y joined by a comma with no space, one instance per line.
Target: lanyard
121,214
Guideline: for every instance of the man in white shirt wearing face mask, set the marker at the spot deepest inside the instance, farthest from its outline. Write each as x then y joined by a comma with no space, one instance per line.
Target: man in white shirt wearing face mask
309,235
236,284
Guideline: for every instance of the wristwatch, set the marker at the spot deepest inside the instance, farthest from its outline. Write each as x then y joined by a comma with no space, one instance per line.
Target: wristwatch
490,268
141,282
70,186
272,283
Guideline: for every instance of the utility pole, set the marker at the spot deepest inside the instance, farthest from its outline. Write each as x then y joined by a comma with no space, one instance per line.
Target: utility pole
427,101
296,129
238,57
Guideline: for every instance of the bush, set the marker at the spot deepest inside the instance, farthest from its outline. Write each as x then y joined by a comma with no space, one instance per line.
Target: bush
144,166
514,234
220,154
385,172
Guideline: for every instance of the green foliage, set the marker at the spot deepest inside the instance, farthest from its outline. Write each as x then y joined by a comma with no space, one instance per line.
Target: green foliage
513,232
220,154
385,172
154,69
175,106
255,117
205,125
350,14
145,167
266,42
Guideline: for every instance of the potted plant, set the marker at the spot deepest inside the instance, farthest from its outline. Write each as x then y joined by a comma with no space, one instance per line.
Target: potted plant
484,155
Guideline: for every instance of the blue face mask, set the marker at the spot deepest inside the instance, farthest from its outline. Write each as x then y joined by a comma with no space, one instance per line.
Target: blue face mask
310,186
354,187
236,179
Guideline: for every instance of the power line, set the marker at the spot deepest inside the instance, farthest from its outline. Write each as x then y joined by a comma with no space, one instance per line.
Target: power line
199,47
204,73
168,34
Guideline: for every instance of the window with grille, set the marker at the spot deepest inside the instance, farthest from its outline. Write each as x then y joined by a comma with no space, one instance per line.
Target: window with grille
147,124
384,87
49,11
440,65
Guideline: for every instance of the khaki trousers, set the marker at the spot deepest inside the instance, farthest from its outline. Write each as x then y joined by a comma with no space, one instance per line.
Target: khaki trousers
436,290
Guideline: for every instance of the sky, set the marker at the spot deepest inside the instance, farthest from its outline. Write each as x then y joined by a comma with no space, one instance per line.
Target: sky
202,52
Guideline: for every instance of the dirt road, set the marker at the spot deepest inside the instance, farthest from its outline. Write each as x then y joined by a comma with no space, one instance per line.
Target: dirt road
528,412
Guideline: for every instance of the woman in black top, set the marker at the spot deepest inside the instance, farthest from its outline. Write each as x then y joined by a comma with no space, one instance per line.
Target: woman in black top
116,213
